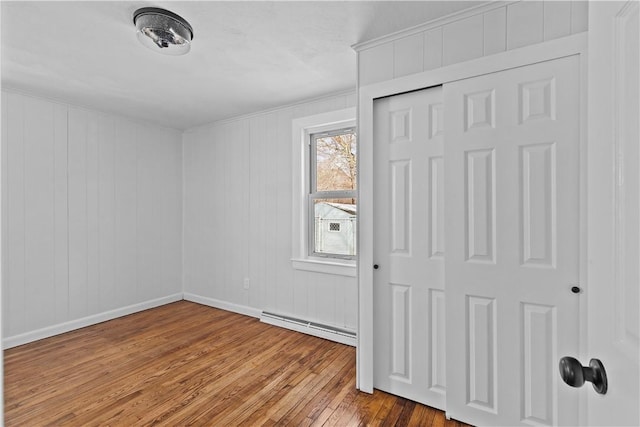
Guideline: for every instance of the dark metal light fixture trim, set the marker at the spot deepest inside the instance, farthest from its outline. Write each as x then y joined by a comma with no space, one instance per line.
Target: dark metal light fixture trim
163,31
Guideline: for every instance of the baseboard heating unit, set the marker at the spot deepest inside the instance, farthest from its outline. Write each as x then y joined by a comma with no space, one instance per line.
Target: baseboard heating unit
331,333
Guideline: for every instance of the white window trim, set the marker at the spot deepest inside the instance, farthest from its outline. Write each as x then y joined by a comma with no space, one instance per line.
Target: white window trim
302,128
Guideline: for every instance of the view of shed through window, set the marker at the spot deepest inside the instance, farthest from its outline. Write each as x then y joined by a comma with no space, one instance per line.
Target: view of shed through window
332,196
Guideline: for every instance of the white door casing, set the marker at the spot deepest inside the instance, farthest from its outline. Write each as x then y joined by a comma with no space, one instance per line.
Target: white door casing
409,341
512,185
613,226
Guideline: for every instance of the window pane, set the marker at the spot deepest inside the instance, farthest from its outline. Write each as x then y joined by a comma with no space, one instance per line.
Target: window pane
335,227
336,162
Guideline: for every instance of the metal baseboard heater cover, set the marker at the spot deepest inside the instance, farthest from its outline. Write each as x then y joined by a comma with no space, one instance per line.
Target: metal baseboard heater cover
333,333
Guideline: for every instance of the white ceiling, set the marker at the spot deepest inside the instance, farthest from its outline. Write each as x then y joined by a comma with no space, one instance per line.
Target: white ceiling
245,56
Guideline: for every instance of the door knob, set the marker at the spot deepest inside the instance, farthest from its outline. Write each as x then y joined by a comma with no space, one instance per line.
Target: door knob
574,374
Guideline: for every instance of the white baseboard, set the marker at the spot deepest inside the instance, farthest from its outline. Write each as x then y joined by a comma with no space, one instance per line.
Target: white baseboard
223,305
61,328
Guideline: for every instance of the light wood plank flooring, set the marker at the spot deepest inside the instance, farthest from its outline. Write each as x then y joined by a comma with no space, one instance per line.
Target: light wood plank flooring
188,364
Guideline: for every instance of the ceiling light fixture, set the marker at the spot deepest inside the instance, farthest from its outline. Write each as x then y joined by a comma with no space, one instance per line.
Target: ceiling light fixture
163,31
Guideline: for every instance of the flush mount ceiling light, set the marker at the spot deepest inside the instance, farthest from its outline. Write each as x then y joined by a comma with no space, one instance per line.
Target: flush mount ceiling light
163,31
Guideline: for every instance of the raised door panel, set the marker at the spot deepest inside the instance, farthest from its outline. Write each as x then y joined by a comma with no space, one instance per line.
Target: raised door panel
400,206
481,353
539,377
400,332
538,208
436,206
479,197
437,344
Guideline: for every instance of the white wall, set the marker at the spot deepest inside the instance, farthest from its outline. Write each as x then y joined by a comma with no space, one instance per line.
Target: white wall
238,220
92,216
467,35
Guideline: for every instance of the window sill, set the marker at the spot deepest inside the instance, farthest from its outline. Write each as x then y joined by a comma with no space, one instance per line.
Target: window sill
340,268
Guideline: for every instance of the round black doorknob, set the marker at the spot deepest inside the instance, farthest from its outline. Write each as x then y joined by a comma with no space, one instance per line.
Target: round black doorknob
571,371
575,289
575,375
376,266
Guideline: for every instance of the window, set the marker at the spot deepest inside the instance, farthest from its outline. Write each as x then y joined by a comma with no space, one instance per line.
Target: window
332,194
324,193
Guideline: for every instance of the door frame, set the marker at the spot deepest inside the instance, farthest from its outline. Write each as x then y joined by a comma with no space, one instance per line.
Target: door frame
559,48
608,160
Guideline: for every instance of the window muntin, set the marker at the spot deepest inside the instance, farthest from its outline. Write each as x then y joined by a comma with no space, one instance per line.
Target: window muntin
332,194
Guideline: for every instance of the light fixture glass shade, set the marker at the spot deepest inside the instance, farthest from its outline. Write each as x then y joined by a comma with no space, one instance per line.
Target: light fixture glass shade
163,31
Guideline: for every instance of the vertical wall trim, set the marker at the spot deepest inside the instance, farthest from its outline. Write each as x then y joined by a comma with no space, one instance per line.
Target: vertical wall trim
136,137
484,31
86,209
24,211
3,123
542,23
67,221
53,209
115,223
248,224
182,222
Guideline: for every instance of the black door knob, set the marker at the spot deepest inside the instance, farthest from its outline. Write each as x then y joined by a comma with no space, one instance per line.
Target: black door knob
575,375
376,266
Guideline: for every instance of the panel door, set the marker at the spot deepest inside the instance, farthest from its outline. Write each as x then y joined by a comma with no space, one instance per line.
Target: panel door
409,344
614,231
512,227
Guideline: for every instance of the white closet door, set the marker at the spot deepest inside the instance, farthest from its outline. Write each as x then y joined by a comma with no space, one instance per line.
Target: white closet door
409,342
512,231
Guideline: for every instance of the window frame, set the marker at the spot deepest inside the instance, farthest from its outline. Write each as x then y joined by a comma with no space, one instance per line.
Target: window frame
314,194
302,128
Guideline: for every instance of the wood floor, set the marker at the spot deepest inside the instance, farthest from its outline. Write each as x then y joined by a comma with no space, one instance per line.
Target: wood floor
188,364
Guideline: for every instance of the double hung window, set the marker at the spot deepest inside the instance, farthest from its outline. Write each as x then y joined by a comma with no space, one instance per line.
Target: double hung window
332,203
